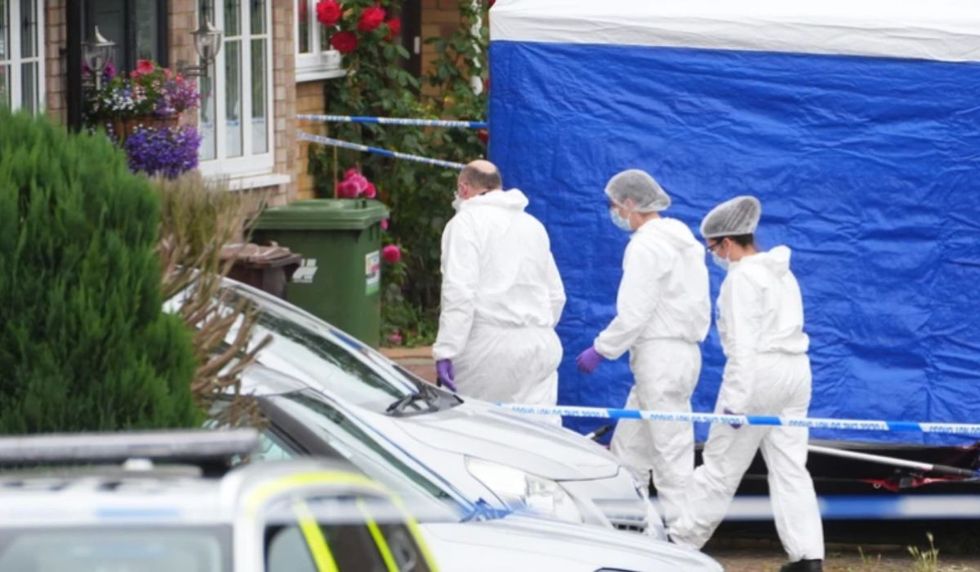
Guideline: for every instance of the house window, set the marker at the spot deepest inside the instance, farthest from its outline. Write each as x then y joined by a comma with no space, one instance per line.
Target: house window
236,104
21,59
138,28
315,59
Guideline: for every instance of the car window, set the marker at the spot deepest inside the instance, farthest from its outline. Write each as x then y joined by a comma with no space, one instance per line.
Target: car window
134,549
271,448
286,551
352,443
352,533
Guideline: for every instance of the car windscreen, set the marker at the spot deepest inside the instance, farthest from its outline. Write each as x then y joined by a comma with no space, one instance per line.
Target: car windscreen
309,350
426,498
129,549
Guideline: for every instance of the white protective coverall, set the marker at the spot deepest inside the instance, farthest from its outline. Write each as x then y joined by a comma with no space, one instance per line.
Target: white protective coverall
501,300
663,310
760,319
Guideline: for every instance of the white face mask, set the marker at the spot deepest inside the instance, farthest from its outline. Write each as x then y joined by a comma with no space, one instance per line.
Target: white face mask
722,263
619,221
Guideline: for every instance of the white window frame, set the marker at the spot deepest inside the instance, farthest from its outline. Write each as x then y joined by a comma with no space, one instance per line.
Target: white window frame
248,163
14,61
317,64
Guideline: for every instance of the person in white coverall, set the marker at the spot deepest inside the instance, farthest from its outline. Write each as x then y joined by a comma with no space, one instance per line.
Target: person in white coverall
502,296
663,311
767,372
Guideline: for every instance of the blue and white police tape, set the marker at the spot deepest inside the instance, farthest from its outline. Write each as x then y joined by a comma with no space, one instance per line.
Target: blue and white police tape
394,121
867,507
766,420
303,136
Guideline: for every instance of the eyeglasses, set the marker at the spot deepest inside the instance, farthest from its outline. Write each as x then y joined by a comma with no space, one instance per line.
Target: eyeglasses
712,247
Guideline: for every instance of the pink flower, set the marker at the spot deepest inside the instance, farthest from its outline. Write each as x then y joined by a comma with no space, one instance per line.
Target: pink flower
351,172
344,42
143,67
392,254
347,190
395,339
369,191
327,12
384,224
371,18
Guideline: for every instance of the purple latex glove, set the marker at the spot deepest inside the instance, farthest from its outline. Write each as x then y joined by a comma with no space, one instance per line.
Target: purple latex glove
588,360
445,374
728,411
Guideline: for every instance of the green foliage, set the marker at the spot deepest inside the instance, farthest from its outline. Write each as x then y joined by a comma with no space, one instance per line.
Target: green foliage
83,342
419,196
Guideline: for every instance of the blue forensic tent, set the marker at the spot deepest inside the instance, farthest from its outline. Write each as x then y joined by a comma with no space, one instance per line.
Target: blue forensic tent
856,123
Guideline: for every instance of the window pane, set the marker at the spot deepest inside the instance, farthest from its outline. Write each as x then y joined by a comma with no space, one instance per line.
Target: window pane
260,121
4,30
303,19
28,37
147,26
109,16
233,98
258,16
28,91
207,126
233,25
4,86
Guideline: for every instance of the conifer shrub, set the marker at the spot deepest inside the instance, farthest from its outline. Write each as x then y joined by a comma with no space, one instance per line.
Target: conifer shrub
84,344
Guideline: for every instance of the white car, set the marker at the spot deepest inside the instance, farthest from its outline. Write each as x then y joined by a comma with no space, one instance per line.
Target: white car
462,534
128,502
504,460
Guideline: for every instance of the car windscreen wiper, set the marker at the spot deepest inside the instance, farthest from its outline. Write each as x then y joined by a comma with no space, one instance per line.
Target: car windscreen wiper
433,398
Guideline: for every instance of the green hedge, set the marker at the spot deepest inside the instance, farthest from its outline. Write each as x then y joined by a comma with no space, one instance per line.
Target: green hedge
83,342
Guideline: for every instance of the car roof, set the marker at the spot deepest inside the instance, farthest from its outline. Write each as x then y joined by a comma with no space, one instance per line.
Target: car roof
145,491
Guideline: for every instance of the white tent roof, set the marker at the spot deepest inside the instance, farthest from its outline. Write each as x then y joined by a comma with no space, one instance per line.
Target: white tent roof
945,30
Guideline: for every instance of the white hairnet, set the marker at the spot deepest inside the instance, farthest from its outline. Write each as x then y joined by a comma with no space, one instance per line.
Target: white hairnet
644,190
731,218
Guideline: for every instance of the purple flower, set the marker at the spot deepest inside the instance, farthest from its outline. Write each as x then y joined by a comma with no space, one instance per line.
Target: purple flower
166,152
109,72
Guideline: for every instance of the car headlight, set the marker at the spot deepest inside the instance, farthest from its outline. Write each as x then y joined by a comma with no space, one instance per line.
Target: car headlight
523,491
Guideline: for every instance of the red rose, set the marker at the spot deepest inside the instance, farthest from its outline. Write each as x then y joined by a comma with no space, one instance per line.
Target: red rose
328,12
394,28
483,135
370,191
344,42
371,18
392,254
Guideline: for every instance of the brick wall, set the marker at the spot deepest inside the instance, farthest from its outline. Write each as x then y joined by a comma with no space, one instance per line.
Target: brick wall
284,82
55,44
440,18
309,99
183,21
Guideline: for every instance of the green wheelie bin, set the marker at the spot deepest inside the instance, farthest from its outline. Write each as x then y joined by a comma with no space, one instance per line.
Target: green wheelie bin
339,278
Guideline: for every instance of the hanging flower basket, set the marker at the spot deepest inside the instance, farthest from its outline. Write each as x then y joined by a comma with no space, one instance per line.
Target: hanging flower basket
123,127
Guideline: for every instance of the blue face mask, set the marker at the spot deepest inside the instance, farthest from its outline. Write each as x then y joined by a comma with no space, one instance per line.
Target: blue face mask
619,221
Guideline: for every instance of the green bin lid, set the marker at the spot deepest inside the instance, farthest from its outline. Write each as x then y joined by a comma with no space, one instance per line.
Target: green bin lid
323,214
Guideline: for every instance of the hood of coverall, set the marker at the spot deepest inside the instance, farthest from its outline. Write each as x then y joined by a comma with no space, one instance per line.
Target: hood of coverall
776,260
671,230
513,199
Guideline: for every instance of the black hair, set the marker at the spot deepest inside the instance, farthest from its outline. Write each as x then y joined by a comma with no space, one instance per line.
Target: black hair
743,240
